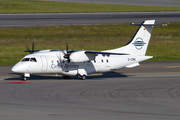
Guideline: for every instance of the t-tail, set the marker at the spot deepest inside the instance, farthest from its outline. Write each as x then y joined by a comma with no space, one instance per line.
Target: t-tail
139,43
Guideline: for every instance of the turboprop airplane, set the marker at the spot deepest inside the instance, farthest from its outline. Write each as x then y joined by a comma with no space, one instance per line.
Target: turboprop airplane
82,63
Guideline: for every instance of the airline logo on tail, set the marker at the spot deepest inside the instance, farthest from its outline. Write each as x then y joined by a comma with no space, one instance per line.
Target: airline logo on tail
139,43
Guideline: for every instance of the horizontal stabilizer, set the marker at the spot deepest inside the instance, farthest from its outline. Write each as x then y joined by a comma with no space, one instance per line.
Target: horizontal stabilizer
146,24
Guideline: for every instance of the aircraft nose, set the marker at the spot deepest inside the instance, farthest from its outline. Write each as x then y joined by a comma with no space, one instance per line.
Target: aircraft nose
15,68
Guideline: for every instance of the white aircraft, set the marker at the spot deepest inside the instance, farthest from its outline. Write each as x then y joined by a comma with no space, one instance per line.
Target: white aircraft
82,63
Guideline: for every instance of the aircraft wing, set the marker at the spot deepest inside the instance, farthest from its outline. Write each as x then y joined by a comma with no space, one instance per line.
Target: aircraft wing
104,53
82,56
97,52
86,52
31,51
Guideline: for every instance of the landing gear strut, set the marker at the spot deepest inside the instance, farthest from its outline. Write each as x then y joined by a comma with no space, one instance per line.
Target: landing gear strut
82,77
23,78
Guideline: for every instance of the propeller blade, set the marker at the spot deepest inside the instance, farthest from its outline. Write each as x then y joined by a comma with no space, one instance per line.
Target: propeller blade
32,47
67,54
30,51
66,47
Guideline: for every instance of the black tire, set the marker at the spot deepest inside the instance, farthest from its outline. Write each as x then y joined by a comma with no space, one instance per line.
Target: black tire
83,77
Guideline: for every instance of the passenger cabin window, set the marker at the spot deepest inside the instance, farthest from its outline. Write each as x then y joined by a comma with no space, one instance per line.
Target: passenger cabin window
29,59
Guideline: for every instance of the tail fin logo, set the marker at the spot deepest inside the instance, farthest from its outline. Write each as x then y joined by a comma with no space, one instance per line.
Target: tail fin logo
139,43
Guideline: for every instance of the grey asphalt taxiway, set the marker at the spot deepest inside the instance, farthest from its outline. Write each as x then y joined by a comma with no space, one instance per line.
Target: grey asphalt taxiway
59,19
150,91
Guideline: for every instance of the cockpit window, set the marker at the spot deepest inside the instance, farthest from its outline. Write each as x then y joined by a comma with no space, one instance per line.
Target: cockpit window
25,59
33,60
29,59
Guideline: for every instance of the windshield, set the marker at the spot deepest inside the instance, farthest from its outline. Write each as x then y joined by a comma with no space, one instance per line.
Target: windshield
29,59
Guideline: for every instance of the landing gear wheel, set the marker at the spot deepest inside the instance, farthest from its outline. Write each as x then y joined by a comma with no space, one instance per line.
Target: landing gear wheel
23,78
83,77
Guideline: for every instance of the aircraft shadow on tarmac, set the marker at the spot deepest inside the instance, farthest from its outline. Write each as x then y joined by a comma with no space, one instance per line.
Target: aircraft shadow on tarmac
112,74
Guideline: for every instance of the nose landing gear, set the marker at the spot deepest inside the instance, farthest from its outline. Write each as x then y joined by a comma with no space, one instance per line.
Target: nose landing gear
24,76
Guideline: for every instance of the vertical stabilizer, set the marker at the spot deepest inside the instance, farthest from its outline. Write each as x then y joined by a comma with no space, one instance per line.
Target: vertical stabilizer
139,43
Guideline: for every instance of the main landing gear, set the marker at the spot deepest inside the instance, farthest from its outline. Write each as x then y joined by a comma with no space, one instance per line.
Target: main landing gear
82,77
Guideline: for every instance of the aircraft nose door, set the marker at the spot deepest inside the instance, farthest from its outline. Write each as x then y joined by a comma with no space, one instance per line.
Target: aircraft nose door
44,63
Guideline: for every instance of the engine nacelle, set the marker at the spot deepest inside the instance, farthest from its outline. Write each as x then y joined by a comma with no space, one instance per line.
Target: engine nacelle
81,56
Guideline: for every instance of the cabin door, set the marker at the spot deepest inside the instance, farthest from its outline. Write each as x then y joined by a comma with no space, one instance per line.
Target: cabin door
44,63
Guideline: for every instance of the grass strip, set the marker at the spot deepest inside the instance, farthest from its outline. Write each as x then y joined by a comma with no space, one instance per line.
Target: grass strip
164,44
34,6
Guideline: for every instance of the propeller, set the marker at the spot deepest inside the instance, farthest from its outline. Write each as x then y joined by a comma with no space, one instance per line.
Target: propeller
30,51
67,53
